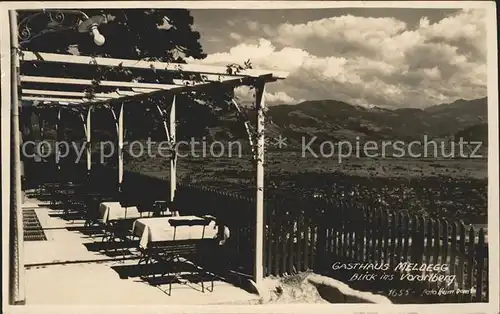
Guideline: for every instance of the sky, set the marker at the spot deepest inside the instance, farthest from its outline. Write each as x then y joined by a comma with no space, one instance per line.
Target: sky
364,56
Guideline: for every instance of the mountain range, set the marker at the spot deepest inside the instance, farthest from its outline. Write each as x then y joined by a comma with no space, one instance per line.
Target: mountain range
329,120
334,120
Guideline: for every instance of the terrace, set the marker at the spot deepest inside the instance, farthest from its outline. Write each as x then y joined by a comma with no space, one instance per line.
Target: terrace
164,236
80,268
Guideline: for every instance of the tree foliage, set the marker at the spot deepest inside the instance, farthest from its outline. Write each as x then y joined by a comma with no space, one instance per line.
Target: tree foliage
165,35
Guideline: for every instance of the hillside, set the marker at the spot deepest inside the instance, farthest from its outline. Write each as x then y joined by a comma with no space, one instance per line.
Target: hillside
336,120
477,133
326,119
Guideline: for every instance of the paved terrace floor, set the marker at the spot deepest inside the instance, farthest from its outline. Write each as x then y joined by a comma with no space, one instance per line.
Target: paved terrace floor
63,271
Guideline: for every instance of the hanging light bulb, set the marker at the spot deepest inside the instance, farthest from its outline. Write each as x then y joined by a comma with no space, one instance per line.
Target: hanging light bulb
90,25
99,39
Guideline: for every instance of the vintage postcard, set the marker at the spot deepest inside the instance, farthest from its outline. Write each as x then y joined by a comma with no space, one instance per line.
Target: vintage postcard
250,156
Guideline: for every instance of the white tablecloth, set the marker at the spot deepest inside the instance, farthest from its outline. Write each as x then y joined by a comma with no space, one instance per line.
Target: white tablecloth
110,211
151,230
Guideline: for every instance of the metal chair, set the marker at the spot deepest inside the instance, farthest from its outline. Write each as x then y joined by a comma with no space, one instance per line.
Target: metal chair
160,208
184,252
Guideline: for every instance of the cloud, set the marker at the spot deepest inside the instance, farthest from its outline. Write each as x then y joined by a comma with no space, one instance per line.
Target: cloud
235,36
252,25
466,31
348,31
377,61
246,96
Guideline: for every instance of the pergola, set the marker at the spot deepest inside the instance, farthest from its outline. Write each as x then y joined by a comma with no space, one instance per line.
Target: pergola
70,92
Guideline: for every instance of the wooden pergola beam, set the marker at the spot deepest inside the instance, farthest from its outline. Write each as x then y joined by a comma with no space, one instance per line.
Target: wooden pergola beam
157,92
86,82
141,64
43,92
54,99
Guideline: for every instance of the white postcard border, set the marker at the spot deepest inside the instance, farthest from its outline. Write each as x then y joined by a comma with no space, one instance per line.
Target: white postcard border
493,157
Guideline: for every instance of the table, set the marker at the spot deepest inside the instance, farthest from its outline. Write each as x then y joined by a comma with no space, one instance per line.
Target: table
61,192
158,229
112,211
117,219
170,239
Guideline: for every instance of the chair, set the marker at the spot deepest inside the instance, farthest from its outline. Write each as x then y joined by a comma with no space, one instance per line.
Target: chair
177,205
192,251
160,208
92,201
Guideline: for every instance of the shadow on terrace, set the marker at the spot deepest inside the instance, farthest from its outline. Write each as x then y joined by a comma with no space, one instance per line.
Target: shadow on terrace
131,247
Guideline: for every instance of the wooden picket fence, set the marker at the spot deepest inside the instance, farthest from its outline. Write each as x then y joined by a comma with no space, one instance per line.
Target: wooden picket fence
310,233
306,233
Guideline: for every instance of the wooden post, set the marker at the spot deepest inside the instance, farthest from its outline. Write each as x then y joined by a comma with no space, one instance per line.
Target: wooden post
165,126
246,123
17,284
173,160
322,248
167,134
88,133
58,138
259,218
120,148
